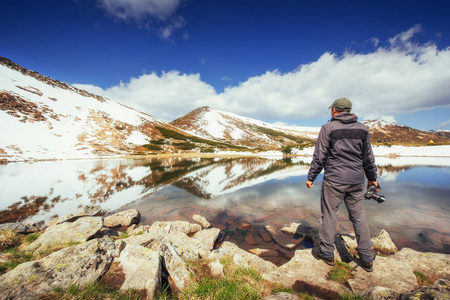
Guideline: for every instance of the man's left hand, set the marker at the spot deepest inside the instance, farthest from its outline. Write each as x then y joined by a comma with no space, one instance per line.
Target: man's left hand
309,184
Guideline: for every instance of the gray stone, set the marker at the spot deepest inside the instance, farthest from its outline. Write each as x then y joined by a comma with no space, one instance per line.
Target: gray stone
387,272
23,228
281,296
216,269
380,293
149,240
202,221
81,264
187,247
349,240
242,258
137,230
384,243
179,272
142,269
123,218
265,235
439,290
433,265
304,272
86,211
77,232
208,237
163,228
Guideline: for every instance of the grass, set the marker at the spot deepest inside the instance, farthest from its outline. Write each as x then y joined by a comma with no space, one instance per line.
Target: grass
13,245
422,279
97,290
238,283
340,272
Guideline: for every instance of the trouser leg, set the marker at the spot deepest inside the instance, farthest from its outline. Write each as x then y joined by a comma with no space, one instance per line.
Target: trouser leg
357,214
331,198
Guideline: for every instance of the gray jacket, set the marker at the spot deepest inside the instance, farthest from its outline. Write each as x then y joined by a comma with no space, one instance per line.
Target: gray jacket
343,149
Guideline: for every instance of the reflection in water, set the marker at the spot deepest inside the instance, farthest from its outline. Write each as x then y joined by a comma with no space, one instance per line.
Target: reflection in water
243,193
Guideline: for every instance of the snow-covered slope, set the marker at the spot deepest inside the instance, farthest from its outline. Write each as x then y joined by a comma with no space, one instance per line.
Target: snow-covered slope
383,131
225,126
42,118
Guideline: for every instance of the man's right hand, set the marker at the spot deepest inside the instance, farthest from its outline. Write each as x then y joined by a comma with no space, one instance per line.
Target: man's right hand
309,184
369,183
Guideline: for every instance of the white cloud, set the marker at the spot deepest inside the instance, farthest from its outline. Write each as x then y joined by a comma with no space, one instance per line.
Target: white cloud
445,123
387,118
146,12
403,77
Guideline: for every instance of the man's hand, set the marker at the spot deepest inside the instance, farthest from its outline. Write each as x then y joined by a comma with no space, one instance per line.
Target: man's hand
369,183
309,184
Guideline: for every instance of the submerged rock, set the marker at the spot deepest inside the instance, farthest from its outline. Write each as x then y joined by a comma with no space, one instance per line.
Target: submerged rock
283,239
86,211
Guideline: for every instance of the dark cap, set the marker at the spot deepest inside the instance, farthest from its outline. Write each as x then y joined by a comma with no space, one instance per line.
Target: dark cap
341,104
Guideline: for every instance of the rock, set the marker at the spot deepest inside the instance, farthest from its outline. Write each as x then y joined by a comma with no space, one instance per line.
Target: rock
281,296
304,272
390,273
216,269
179,272
245,226
264,252
81,264
23,228
433,265
149,240
137,230
187,247
285,252
208,237
265,235
123,218
383,243
282,239
77,232
438,290
290,228
163,228
349,240
242,258
142,269
86,211
380,293
250,239
201,220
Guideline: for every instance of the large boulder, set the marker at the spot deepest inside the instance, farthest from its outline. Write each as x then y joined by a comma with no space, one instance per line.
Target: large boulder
174,261
142,269
242,258
81,265
390,273
184,245
77,232
202,221
86,211
208,237
123,218
433,265
438,290
304,272
383,243
163,228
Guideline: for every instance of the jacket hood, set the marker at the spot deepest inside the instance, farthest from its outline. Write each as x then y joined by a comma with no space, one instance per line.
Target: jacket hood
345,117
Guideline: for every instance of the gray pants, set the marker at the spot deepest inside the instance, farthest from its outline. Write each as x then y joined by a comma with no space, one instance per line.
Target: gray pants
332,196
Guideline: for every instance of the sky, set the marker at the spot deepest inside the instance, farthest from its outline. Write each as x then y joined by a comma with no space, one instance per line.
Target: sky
280,61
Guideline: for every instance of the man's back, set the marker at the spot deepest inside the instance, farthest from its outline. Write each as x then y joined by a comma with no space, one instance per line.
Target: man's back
343,149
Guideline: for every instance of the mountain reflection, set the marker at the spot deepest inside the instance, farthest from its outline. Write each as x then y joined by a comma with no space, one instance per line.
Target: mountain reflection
227,191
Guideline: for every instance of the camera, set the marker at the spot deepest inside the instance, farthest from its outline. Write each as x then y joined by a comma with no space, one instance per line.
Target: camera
370,194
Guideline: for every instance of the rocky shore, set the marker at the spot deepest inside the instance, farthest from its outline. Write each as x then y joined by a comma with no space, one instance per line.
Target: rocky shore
119,250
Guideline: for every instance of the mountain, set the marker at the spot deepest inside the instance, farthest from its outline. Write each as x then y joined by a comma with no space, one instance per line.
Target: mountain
439,132
231,128
43,118
391,132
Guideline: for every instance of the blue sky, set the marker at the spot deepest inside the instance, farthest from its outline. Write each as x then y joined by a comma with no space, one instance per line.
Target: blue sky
274,60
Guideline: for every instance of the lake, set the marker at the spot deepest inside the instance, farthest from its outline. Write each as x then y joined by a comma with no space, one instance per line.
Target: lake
237,195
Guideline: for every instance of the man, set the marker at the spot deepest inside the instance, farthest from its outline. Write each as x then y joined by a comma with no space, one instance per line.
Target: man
343,149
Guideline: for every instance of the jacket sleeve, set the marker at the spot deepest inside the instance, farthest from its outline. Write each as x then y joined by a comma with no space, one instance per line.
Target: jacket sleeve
370,168
320,153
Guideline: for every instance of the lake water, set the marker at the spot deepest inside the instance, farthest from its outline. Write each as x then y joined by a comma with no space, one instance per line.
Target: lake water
245,193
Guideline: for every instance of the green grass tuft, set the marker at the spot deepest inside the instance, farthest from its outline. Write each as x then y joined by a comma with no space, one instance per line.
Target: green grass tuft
340,272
